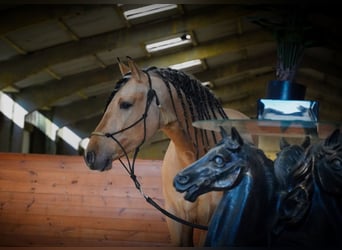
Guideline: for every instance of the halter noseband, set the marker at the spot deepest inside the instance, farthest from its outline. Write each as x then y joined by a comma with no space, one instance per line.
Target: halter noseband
130,168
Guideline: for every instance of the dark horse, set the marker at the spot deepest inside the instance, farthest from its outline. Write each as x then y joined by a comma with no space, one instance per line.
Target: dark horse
310,208
244,214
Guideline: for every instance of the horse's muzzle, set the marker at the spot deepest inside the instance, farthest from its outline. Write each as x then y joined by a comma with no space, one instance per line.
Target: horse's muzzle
180,182
96,164
90,158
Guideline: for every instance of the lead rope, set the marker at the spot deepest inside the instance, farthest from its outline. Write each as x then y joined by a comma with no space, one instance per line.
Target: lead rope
130,167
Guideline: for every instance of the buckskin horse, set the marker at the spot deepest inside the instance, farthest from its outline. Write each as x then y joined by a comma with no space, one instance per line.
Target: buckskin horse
244,216
145,101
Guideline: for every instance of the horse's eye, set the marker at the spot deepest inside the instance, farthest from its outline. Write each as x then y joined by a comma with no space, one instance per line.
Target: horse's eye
125,105
337,165
218,160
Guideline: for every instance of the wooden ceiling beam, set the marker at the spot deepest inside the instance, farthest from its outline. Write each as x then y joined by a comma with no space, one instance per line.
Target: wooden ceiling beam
23,66
25,15
238,67
320,88
36,97
83,128
229,91
47,94
324,67
79,110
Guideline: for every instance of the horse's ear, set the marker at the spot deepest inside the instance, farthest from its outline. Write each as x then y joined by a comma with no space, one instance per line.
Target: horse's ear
283,143
306,142
137,73
236,136
223,132
333,138
123,68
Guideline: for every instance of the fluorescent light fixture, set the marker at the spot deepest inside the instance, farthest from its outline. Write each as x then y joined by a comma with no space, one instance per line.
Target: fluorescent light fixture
148,10
186,65
168,43
12,110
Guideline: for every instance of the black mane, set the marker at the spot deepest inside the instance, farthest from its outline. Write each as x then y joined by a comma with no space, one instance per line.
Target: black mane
202,103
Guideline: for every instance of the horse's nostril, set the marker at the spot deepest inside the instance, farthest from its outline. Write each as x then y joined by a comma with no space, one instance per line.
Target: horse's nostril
183,179
90,158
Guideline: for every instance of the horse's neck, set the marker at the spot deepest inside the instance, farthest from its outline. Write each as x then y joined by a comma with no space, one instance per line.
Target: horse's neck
179,137
243,215
187,142
327,207
227,222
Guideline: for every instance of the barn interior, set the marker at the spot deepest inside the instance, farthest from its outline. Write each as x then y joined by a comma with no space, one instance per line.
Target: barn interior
58,66
58,63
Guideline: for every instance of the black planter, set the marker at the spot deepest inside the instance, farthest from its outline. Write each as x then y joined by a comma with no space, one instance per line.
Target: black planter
285,90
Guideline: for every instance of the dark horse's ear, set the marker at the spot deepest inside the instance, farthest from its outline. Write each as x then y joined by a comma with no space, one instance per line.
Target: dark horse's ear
332,138
236,136
223,132
283,143
306,142
123,68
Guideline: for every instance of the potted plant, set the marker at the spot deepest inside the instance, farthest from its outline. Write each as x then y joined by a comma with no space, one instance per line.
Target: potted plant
293,35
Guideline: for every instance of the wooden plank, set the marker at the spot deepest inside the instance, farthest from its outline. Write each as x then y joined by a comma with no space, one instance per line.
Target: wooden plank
72,163
51,241
76,179
31,208
7,198
79,190
114,175
57,201
47,224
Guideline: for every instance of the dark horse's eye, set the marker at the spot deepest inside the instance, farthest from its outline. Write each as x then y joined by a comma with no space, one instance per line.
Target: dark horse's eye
125,105
337,164
218,160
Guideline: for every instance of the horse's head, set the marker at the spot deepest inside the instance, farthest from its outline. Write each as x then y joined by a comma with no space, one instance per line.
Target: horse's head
311,173
220,168
328,163
132,116
288,160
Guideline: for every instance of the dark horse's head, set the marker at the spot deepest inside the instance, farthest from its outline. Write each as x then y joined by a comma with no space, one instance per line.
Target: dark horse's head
221,168
328,163
288,160
312,195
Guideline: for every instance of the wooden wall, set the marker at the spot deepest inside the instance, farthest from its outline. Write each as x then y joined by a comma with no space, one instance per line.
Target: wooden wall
49,200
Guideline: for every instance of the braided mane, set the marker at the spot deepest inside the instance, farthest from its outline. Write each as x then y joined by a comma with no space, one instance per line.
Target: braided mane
202,103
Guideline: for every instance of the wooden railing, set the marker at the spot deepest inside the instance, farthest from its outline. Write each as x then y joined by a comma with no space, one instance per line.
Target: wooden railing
49,200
